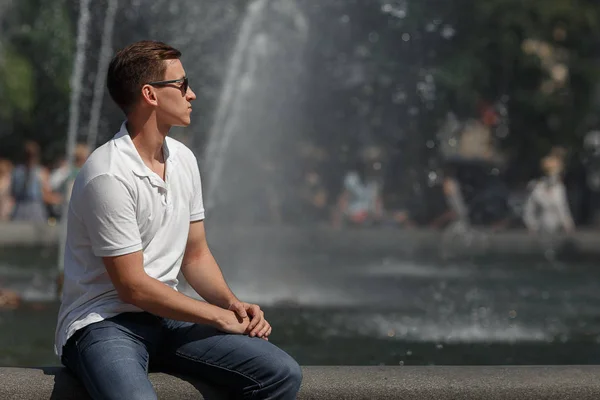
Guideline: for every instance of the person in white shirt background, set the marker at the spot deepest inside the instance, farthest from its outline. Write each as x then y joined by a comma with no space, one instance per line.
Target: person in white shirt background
546,209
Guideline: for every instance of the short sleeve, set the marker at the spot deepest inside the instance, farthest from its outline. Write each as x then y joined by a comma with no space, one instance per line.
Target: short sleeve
109,216
196,202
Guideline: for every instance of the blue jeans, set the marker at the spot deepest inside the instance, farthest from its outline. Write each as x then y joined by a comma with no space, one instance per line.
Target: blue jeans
112,358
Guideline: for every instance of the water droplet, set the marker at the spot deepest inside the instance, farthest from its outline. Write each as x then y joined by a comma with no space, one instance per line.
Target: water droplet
406,37
373,37
432,176
545,295
448,32
399,97
502,131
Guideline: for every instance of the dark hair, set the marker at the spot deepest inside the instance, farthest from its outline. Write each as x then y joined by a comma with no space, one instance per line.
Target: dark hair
133,67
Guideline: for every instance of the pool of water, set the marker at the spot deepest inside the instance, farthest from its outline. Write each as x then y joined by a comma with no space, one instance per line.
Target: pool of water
347,309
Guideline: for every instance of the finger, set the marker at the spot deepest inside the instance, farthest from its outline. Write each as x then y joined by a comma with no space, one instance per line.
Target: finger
258,328
252,310
266,335
264,330
254,322
239,309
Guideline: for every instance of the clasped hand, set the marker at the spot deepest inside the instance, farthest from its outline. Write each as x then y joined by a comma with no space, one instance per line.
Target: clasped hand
257,325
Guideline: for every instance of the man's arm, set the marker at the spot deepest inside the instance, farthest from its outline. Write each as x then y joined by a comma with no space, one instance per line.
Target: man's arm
136,287
107,208
202,271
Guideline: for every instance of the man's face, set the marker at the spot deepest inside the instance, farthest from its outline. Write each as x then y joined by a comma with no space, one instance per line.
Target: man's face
174,106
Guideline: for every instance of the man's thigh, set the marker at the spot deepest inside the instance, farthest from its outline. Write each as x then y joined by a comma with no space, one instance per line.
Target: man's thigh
237,362
111,357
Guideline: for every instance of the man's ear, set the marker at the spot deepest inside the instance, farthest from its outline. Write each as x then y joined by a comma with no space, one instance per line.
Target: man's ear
149,95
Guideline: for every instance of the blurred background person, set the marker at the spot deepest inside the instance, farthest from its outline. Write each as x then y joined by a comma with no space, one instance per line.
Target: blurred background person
31,188
57,180
9,299
313,197
457,211
307,201
547,208
448,208
59,173
360,202
6,201
80,156
62,178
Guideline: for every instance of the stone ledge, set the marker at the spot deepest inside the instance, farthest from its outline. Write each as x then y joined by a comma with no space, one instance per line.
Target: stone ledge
391,241
440,383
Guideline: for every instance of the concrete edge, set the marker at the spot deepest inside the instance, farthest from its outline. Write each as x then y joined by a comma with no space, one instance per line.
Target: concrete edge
350,382
511,242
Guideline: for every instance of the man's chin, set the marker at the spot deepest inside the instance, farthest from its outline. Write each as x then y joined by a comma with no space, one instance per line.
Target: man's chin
184,123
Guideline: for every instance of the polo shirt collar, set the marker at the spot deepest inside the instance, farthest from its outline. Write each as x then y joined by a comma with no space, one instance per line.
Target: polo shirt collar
134,160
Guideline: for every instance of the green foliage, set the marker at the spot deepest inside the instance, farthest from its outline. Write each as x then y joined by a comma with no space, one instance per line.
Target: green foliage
36,62
17,85
363,70
487,59
510,51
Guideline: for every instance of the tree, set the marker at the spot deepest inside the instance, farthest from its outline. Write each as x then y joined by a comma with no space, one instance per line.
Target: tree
539,56
397,67
35,66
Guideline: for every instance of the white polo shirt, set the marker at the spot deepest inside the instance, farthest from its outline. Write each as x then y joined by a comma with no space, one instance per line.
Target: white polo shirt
120,206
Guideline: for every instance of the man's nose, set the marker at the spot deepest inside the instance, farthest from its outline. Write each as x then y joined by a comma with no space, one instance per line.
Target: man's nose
190,94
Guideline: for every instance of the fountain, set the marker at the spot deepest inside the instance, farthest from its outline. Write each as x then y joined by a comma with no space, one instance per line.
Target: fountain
74,107
260,89
348,296
106,52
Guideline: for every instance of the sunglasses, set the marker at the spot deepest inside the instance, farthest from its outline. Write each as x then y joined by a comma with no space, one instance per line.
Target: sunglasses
185,83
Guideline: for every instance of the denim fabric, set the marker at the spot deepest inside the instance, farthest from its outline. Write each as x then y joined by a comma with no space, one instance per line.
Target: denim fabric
112,358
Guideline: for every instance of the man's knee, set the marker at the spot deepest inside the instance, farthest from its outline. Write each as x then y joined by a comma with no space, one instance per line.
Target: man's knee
284,370
294,374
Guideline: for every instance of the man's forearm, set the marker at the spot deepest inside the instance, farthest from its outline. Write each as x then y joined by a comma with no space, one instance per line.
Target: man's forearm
205,276
159,299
